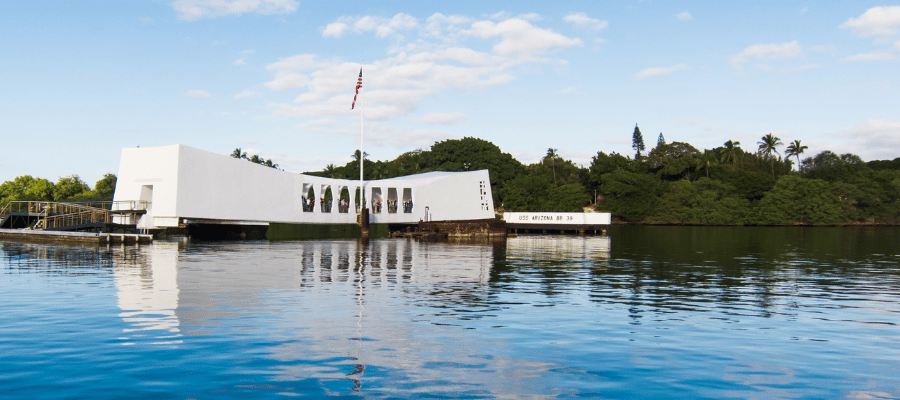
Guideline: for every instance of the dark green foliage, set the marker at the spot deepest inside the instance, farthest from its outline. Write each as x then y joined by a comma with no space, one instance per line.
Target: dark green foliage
795,199
256,159
629,195
703,202
673,161
529,192
637,142
69,187
880,165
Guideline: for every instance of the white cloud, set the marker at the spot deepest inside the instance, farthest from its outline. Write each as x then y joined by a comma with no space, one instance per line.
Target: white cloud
335,30
871,57
197,94
567,91
765,52
440,25
876,21
685,16
660,71
240,61
245,93
192,10
443,118
581,20
383,27
430,61
875,139
147,20
520,39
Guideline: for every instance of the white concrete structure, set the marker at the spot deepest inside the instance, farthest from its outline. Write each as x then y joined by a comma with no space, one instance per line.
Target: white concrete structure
183,185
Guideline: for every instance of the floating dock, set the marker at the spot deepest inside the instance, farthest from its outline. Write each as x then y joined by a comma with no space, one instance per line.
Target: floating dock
74,237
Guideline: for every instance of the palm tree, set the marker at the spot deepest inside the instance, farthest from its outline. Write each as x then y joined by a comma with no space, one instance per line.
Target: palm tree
330,170
731,152
795,149
237,153
767,147
356,155
706,160
551,154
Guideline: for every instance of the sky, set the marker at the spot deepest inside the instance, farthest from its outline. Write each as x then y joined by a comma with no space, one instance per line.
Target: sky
81,80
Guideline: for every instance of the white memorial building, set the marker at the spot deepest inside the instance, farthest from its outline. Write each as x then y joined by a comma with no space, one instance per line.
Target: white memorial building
181,185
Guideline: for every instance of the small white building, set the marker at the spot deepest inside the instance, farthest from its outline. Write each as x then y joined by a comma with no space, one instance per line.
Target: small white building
180,184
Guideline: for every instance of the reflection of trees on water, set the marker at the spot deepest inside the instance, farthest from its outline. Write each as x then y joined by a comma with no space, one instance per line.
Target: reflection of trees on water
728,270
64,259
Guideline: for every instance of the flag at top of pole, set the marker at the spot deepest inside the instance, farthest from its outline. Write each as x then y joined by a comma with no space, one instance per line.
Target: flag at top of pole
358,85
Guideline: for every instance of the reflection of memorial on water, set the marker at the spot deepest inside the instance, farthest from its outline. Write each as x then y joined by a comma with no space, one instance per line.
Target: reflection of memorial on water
561,249
148,295
380,304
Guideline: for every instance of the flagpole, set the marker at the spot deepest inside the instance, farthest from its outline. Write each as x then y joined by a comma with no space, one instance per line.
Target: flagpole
362,111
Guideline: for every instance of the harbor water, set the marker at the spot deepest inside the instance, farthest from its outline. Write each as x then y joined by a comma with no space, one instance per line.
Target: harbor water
645,312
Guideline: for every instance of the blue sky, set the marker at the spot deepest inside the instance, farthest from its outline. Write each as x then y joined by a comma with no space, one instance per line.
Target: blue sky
82,80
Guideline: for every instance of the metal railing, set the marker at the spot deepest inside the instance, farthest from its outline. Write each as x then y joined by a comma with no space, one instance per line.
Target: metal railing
56,214
78,218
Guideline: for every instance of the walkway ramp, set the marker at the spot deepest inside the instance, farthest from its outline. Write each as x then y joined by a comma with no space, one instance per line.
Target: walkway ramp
60,216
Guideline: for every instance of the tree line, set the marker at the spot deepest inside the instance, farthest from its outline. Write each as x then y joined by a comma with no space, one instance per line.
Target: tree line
68,188
673,183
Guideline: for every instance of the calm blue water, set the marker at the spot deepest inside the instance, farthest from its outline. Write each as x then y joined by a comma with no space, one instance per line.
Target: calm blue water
647,312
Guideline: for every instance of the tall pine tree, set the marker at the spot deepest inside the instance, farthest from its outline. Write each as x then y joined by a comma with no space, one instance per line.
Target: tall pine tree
661,140
637,142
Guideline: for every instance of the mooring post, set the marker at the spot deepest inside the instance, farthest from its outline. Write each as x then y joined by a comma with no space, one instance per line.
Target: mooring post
364,221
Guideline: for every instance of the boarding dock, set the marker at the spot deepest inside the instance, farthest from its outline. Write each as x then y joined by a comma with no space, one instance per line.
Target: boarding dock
557,222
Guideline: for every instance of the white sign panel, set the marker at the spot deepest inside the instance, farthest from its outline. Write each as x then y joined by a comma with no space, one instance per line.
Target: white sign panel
557,218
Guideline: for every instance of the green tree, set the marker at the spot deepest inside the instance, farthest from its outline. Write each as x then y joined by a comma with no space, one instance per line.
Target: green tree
637,142
660,140
798,200
238,153
25,188
732,153
106,186
104,190
629,195
676,160
703,202
795,149
551,155
68,187
767,146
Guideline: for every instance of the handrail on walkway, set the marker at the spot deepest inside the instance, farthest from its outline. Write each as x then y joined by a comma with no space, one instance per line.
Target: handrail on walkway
59,214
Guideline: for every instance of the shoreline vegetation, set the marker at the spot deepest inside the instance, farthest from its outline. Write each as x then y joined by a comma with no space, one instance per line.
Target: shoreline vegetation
671,184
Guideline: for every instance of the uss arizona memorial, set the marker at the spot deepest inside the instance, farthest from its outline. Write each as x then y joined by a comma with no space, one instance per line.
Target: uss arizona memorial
182,185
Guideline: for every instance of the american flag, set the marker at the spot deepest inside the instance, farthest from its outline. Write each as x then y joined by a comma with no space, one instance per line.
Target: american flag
358,85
